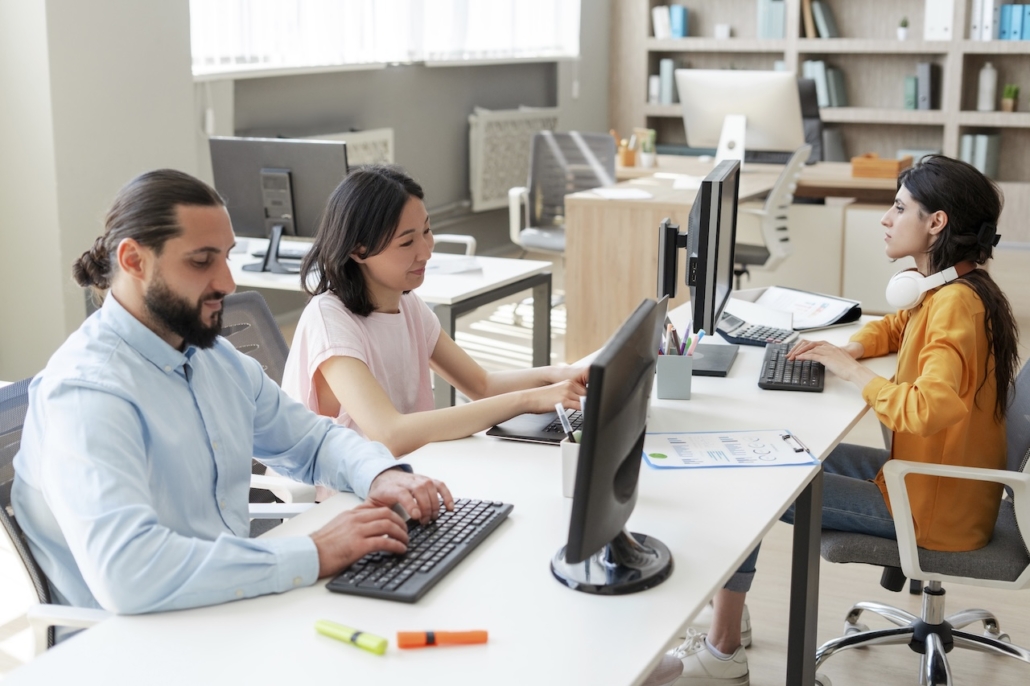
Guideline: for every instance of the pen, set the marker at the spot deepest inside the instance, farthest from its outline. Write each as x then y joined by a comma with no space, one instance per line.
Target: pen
693,346
369,642
564,418
674,341
423,639
686,345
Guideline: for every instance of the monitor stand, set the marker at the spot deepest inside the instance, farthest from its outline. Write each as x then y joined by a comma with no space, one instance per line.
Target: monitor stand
271,261
628,564
731,140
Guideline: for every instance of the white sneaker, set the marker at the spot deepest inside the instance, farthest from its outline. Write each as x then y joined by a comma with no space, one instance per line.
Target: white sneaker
704,619
702,668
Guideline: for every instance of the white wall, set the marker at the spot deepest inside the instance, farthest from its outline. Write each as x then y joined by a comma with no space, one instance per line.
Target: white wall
585,107
104,92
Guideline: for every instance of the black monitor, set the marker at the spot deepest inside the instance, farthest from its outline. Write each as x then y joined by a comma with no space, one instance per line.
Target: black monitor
710,240
601,556
276,187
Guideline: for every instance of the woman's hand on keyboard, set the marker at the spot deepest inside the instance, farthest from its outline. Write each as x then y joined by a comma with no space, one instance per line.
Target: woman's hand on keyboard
353,534
544,398
838,360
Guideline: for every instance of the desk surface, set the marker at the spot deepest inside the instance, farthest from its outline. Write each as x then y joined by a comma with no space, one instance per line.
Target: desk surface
437,289
540,632
820,180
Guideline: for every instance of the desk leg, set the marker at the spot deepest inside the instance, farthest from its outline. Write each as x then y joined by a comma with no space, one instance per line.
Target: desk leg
804,584
443,392
542,324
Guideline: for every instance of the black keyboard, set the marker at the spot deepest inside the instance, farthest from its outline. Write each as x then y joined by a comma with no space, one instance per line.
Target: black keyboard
433,550
780,374
575,419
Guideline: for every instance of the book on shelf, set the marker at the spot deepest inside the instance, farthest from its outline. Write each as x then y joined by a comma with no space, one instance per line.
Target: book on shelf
666,85
911,92
937,19
990,19
928,75
1026,23
816,70
771,15
678,21
661,21
807,19
824,22
975,20
1015,27
835,82
1005,22
965,149
986,148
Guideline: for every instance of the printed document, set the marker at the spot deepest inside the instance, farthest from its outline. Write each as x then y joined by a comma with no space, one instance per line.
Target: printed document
810,310
684,450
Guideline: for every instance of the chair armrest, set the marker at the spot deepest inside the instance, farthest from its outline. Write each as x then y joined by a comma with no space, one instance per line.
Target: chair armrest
468,241
42,617
278,510
517,198
894,473
285,489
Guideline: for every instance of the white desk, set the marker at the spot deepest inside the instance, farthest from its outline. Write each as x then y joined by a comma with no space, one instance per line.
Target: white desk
450,295
540,631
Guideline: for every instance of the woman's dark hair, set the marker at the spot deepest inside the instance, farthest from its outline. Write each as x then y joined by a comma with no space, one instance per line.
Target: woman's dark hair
143,210
362,215
973,204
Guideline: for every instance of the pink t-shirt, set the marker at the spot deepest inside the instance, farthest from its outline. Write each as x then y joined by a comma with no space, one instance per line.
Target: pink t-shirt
395,347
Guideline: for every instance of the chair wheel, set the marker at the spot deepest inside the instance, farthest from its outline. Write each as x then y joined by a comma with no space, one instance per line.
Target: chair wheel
822,680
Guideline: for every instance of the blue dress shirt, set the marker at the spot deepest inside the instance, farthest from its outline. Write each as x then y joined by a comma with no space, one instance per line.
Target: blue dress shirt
133,477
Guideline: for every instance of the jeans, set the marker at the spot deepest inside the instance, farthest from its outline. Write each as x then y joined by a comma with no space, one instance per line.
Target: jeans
851,502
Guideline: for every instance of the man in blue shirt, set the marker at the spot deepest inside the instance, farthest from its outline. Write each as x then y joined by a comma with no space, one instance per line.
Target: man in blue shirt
132,481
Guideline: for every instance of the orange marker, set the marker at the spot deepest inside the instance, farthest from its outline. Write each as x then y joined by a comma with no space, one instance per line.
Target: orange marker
424,639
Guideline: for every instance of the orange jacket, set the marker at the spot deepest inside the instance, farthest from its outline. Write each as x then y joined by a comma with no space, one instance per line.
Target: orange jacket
941,410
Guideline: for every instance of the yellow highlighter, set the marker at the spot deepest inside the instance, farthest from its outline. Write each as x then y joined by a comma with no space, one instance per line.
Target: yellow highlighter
369,642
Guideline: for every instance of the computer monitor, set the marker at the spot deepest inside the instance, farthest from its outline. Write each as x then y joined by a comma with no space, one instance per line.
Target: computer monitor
276,187
768,100
710,241
601,556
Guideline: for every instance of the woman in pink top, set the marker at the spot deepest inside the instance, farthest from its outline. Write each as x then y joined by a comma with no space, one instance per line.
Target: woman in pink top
365,344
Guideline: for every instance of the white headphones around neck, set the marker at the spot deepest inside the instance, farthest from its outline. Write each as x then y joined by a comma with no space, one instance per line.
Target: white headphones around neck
907,288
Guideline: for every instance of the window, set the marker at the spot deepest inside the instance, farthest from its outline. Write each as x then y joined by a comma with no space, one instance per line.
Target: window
256,35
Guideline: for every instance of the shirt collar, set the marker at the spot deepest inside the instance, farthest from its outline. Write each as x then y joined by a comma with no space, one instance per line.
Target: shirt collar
141,338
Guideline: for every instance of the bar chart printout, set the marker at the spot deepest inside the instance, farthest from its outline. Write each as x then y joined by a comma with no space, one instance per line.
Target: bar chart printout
684,450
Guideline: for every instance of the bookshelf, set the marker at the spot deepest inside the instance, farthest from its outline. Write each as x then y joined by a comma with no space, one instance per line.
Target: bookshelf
874,63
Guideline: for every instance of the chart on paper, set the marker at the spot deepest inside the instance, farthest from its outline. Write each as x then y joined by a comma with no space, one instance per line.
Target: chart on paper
683,450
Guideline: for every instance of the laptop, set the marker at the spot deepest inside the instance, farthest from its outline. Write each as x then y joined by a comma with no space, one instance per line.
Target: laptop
547,428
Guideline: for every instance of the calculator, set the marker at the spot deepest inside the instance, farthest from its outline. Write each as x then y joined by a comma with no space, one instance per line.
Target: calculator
736,330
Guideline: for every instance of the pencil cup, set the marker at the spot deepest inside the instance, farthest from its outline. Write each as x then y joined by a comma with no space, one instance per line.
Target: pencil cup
674,374
569,460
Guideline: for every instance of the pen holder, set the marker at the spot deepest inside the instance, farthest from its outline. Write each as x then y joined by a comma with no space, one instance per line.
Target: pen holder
674,373
569,460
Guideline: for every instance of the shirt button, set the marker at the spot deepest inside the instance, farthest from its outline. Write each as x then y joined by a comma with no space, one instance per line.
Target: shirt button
297,581
239,592
168,368
215,445
221,504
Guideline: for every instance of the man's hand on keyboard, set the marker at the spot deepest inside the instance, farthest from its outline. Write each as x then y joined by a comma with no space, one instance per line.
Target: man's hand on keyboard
419,495
353,534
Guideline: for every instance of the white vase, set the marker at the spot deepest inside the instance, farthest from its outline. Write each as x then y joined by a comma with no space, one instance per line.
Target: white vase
646,159
902,32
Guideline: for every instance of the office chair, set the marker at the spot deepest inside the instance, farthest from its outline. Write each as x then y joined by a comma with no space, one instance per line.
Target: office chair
1003,563
810,119
771,222
559,164
41,616
249,325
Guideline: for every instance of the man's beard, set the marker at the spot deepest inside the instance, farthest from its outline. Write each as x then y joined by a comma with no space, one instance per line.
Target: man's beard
181,317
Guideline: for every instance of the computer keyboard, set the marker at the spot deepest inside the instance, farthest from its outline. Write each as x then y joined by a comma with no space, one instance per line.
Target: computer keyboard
575,419
780,374
433,550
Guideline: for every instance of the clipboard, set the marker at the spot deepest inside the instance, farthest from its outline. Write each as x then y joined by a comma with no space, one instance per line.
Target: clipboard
725,449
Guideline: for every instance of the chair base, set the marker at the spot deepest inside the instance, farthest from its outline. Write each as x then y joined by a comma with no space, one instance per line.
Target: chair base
932,635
